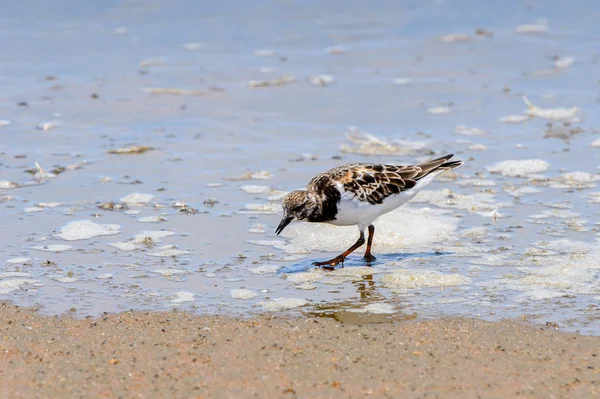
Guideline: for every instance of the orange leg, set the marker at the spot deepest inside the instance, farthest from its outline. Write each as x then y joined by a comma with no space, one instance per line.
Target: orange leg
368,257
329,264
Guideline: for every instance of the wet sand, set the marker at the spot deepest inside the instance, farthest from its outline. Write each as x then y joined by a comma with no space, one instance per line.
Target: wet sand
179,355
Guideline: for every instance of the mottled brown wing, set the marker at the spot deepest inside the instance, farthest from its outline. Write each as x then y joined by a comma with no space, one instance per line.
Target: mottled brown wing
374,183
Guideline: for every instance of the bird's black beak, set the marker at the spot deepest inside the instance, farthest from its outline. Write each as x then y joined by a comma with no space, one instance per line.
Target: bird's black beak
284,222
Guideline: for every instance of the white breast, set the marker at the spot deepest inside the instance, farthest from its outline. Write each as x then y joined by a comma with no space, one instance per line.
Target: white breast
355,212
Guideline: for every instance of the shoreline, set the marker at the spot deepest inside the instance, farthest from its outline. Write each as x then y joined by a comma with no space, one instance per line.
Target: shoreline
178,354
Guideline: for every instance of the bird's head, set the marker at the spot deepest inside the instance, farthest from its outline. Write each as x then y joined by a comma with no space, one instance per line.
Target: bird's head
294,207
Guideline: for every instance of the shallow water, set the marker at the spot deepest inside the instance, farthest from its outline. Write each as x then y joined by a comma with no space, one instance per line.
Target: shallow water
493,240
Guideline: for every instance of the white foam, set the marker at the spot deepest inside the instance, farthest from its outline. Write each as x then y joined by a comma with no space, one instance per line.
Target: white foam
265,269
519,168
476,183
477,147
257,229
402,81
14,274
595,143
564,62
540,26
520,191
576,180
454,37
124,246
475,233
137,199
169,252
283,303
183,296
255,189
154,235
105,276
5,184
152,219
65,279
555,114
8,286
261,209
514,119
368,144
468,131
4,122
32,209
376,308
401,281
406,228
170,272
85,229
18,260
574,269
242,293
439,110
52,248
478,202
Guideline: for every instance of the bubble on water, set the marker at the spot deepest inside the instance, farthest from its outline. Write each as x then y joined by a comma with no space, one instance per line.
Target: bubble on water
5,184
477,203
555,114
454,37
65,279
368,144
593,197
265,269
264,53
476,183
85,229
20,260
402,81
152,236
575,180
261,209
574,269
514,118
137,199
564,62
538,295
170,272
405,228
439,110
401,281
151,219
554,213
52,248
283,303
468,131
540,26
475,233
123,246
169,252
375,308
255,189
516,191
477,147
519,168
183,296
15,284
257,229
242,293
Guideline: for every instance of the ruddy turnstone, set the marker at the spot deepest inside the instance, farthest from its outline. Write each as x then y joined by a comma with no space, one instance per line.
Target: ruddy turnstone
357,194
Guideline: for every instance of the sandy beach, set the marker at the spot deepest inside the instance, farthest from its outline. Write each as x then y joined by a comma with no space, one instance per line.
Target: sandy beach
179,355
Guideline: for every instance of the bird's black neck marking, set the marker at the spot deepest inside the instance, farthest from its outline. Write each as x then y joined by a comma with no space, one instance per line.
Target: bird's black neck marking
327,197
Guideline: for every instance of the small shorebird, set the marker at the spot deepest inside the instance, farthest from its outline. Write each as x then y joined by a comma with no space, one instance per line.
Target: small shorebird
357,194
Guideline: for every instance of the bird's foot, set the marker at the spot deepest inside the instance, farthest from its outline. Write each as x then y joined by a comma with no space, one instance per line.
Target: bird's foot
331,263
369,258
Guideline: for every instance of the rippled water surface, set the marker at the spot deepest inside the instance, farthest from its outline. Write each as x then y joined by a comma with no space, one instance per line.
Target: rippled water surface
231,106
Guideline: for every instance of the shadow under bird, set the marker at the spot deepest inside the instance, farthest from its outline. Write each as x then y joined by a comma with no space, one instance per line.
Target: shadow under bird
357,194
